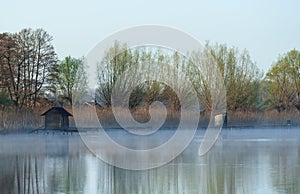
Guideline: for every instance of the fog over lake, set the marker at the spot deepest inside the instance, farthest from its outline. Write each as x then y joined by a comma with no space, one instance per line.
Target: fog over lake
263,161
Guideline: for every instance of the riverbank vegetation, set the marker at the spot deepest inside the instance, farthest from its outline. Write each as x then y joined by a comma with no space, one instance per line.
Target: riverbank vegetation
32,78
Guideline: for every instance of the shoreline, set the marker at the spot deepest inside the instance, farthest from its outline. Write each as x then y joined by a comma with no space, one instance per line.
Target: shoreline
42,131
30,120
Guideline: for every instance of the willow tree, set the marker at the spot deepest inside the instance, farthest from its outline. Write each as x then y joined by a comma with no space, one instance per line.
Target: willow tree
282,82
149,61
240,74
117,60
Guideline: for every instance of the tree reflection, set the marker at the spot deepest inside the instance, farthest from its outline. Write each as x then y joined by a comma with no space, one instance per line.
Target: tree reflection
285,168
64,165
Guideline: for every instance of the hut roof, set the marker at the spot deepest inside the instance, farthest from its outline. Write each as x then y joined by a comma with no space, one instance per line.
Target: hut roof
60,110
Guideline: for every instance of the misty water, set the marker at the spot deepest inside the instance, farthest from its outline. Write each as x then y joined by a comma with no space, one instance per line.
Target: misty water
242,161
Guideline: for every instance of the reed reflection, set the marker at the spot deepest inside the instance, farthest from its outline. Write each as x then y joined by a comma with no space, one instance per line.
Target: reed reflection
62,164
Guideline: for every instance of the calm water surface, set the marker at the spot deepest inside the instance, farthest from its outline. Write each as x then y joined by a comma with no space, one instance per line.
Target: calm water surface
242,161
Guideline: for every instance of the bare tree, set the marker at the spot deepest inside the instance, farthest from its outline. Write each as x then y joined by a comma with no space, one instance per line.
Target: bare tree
26,58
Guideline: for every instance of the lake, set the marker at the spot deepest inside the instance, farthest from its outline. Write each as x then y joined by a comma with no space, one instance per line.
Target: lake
242,161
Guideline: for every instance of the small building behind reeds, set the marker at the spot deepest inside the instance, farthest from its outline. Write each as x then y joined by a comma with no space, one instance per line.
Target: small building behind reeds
57,118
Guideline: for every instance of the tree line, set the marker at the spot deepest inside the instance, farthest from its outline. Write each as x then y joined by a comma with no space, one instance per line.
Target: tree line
31,75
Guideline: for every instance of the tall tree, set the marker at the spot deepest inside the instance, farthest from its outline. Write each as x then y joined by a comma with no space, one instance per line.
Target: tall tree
282,82
69,73
117,60
40,57
293,59
240,74
10,58
27,57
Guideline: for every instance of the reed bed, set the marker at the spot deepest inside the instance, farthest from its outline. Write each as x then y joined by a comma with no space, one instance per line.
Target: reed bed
29,119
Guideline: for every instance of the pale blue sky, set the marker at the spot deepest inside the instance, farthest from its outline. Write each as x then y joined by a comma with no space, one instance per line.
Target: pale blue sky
266,28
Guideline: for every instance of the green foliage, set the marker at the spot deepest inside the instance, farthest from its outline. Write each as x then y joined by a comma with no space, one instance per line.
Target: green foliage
117,60
5,100
66,78
282,82
240,74
120,59
30,73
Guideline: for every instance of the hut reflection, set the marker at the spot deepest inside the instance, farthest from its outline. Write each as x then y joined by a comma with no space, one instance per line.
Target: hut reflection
46,165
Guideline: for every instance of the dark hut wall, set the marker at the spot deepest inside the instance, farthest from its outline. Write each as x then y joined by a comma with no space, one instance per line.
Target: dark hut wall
65,122
55,120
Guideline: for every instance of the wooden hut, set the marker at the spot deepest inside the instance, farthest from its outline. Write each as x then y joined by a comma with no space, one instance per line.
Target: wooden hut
56,118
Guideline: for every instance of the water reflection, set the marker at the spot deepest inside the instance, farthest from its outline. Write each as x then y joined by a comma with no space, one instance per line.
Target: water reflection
287,166
62,164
